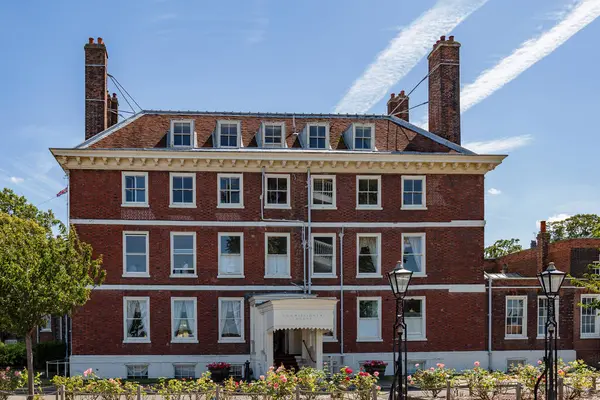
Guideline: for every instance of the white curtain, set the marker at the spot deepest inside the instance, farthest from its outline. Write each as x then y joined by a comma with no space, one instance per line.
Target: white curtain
137,313
230,264
277,264
231,319
184,318
416,246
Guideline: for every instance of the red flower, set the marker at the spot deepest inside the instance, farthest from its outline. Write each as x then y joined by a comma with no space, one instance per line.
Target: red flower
349,371
347,378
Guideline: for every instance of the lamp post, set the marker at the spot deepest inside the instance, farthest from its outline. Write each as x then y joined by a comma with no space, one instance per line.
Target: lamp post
551,280
399,279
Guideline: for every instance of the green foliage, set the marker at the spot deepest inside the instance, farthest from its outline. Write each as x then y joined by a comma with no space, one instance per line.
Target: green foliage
18,206
485,385
48,351
13,355
575,227
433,380
10,380
502,247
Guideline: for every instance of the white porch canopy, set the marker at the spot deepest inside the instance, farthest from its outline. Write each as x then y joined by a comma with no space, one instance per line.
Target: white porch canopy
308,317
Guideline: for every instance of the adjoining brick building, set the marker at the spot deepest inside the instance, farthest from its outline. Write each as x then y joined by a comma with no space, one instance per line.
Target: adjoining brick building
267,236
518,305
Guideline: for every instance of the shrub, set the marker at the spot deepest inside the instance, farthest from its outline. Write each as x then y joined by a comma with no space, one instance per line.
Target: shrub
433,380
485,385
13,355
10,380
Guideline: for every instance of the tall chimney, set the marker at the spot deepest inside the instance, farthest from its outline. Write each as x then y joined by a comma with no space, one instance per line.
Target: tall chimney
113,109
444,89
96,102
543,238
397,106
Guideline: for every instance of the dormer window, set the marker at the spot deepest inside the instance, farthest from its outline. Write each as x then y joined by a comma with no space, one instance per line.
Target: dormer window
318,136
273,134
182,133
363,137
228,133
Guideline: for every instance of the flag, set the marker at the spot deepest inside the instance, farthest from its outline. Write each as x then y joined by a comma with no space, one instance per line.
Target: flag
64,191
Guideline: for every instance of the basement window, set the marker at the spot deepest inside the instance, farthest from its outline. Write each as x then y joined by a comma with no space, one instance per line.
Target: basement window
137,371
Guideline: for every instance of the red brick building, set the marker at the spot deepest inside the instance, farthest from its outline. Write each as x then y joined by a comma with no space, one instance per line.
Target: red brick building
267,236
518,304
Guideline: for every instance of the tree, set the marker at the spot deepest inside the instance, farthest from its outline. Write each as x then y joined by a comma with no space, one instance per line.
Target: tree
41,273
502,247
591,282
575,227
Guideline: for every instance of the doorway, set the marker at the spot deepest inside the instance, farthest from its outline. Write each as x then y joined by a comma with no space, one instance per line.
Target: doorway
285,349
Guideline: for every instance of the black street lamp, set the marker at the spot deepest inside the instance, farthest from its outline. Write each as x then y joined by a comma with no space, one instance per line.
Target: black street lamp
551,280
399,279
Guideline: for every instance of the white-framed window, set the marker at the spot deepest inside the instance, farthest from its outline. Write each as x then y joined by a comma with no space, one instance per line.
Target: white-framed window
231,319
413,253
183,189
231,255
184,324
273,134
516,317
368,192
136,319
229,134
368,255
183,254
590,321
414,192
237,371
323,192
414,316
278,191
182,133
47,325
368,311
135,189
323,255
184,371
277,255
136,254
230,190
595,269
137,371
542,313
318,136
363,136
331,335
512,363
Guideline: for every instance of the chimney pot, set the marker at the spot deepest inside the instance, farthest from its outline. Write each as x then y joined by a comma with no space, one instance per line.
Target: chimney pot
451,38
114,95
392,95
91,40
533,244
100,40
402,93
442,38
543,226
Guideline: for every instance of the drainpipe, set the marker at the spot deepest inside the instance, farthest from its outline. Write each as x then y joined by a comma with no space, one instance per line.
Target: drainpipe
309,194
341,235
489,322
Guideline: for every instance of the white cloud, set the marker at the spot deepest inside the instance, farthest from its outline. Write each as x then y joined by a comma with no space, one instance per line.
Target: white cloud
558,217
16,179
529,53
404,52
494,191
499,145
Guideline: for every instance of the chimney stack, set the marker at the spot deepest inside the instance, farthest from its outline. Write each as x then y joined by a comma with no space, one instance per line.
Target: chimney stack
397,106
444,89
96,95
543,239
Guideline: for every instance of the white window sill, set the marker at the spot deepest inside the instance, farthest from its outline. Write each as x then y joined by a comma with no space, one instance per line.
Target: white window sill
135,205
278,276
231,341
191,205
367,276
230,276
278,207
329,340
318,276
368,340
367,208
419,275
183,276
515,338
589,337
416,339
542,338
173,340
413,208
136,341
319,207
134,275
237,206
45,330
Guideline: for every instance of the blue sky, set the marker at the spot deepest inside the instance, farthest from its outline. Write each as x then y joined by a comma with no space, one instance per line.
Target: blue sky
260,55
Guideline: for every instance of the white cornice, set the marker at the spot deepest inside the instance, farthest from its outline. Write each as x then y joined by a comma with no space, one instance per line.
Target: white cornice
275,161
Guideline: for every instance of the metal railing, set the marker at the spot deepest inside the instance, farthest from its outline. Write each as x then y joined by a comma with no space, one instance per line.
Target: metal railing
56,367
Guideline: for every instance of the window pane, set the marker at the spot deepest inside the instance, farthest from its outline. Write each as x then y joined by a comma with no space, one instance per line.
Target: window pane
231,319
413,253
184,319
135,244
367,260
277,245
368,309
136,318
183,242
135,263
412,308
185,371
130,182
188,197
230,244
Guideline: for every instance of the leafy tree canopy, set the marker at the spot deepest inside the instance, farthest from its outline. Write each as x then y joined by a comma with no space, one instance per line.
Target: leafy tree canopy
502,247
575,227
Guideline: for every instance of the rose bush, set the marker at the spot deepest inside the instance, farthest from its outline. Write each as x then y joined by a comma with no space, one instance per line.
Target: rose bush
11,380
431,381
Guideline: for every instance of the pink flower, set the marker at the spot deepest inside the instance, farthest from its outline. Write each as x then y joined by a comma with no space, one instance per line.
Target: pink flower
283,379
262,377
539,362
432,369
376,373
476,363
416,365
440,365
276,385
378,387
271,368
17,373
87,372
